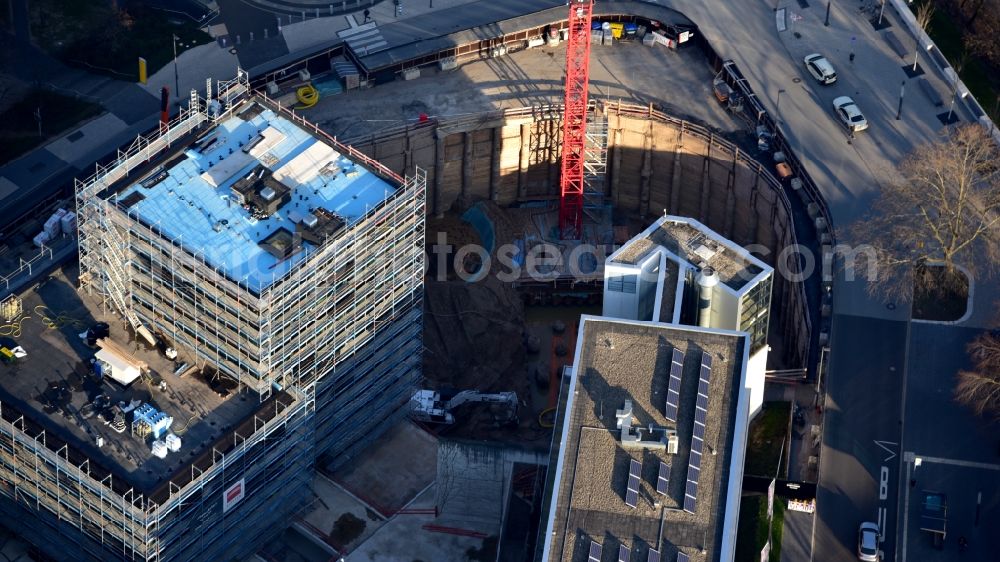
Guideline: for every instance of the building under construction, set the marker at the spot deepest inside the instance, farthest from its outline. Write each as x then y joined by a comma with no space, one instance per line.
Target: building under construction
265,253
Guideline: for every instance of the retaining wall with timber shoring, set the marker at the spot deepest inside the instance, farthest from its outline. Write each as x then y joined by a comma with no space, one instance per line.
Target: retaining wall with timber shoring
656,164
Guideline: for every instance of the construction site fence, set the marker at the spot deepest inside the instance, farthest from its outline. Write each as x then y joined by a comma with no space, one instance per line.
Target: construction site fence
796,314
798,317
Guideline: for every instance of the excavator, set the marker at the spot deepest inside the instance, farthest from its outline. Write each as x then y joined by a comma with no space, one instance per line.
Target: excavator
430,406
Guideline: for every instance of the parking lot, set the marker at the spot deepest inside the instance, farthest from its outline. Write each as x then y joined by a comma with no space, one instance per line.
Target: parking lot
972,494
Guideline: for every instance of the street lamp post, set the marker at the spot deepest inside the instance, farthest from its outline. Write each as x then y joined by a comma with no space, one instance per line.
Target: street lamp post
827,22
777,106
899,110
951,110
177,87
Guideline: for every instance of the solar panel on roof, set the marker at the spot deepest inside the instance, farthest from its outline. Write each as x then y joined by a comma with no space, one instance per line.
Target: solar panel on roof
674,385
681,557
691,489
596,550
663,479
699,431
654,556
702,402
632,492
700,416
698,435
690,504
623,553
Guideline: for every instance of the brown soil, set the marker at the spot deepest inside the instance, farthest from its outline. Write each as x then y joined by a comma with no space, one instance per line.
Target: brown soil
474,339
938,295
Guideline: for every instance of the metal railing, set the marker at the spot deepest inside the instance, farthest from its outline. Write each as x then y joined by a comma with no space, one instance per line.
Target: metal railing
43,253
759,115
338,145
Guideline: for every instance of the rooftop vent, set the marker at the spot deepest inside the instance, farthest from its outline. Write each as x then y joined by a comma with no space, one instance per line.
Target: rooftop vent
310,220
633,439
267,194
704,252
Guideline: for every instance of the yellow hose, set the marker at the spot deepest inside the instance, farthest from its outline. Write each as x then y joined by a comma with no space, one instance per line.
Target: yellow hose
307,95
60,320
13,329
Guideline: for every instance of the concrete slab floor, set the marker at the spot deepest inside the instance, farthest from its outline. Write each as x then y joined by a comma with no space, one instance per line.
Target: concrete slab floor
679,82
397,467
339,518
403,539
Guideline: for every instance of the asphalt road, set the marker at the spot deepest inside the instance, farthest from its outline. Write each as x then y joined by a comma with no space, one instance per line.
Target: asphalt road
859,464
867,363
937,427
868,338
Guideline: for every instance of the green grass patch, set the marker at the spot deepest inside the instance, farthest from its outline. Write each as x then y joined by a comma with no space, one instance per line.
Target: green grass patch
752,529
976,74
109,40
767,433
19,128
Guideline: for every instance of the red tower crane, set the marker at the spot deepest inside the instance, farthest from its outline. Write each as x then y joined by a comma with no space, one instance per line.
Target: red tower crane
574,140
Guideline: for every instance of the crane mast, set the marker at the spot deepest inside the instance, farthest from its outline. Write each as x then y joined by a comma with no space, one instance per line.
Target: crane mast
574,139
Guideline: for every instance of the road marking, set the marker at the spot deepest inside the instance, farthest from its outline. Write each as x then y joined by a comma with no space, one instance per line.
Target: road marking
884,445
908,459
902,486
883,489
955,462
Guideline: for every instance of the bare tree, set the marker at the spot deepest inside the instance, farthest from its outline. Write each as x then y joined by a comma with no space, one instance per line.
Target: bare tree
924,15
979,388
975,12
983,41
943,208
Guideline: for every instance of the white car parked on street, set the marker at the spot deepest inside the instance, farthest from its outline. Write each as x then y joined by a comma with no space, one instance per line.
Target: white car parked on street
868,542
820,68
849,114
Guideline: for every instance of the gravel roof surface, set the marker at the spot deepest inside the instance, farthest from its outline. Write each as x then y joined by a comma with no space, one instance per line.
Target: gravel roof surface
669,289
682,239
625,360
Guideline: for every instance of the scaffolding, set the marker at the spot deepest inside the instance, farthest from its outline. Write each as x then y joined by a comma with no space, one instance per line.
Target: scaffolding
339,332
96,515
595,165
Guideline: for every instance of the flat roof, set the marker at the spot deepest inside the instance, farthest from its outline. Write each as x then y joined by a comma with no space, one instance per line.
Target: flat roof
191,198
625,360
696,244
53,386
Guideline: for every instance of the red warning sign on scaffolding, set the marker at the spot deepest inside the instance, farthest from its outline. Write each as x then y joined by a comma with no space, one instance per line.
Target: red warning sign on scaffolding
233,495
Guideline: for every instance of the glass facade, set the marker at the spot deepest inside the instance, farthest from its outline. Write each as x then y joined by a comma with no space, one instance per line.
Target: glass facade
755,313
